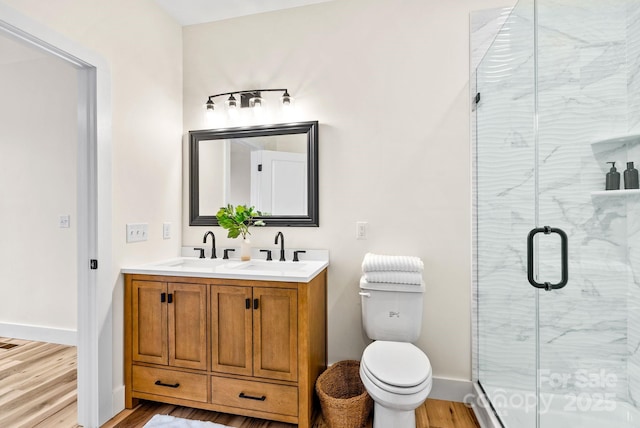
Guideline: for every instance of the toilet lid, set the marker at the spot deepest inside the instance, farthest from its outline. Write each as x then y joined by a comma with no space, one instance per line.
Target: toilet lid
397,363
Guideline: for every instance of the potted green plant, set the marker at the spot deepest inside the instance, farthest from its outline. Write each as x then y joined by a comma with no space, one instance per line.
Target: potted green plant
237,221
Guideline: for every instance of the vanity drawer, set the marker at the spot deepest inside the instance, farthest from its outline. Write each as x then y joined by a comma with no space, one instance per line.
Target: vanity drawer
170,383
264,397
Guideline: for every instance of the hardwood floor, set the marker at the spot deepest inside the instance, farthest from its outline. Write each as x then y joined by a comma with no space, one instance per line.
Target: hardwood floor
37,384
432,414
38,390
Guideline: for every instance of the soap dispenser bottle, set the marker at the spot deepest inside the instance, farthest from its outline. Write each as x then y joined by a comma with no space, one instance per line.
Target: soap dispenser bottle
630,177
613,178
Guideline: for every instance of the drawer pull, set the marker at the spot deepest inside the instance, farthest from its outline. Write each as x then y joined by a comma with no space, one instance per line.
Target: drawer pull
248,397
159,383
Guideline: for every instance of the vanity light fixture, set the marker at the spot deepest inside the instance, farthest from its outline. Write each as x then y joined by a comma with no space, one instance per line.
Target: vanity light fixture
251,98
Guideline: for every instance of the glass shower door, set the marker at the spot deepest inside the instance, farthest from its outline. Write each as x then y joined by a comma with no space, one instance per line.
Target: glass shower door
586,329
505,212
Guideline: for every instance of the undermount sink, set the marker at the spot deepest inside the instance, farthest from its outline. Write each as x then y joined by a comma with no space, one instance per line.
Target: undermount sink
188,262
272,266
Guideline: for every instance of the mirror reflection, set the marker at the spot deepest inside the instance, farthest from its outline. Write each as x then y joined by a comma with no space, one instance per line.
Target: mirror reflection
268,172
273,168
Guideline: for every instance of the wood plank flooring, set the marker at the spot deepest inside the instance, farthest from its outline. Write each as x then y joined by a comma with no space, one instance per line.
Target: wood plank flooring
38,390
432,414
37,384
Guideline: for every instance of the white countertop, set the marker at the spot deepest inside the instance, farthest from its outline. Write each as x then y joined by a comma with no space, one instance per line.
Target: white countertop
311,264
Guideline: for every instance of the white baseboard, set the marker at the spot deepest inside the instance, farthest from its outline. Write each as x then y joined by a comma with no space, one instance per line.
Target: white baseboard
39,334
451,389
118,399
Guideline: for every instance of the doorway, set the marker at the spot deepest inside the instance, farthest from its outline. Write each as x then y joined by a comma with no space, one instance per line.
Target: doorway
93,172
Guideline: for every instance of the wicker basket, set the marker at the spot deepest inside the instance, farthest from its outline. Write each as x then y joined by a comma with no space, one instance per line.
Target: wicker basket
344,400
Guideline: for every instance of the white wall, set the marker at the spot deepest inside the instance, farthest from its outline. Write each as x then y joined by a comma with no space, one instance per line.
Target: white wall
142,46
389,83
38,140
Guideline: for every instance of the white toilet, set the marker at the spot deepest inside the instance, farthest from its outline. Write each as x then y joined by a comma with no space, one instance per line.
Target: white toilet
395,373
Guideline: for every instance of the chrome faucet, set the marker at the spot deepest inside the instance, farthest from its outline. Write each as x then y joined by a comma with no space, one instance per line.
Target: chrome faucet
281,236
213,243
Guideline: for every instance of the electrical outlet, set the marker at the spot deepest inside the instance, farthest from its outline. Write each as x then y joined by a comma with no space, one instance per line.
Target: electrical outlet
64,221
166,230
361,230
137,232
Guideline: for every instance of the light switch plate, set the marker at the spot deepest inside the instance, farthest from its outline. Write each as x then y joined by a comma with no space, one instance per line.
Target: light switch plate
166,230
361,230
137,232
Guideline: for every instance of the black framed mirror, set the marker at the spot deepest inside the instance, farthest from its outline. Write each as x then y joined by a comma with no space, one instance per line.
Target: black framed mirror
272,167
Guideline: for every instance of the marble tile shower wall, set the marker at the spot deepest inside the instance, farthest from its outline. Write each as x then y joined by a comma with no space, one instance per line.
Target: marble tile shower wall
633,204
582,87
588,91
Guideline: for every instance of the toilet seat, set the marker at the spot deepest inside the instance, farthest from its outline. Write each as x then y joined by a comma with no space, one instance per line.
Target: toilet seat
396,367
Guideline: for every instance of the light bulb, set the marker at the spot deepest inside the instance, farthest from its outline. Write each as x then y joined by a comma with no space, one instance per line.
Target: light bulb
287,103
232,103
286,99
256,103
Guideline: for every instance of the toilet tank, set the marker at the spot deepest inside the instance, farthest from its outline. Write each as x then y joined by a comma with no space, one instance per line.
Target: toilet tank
392,311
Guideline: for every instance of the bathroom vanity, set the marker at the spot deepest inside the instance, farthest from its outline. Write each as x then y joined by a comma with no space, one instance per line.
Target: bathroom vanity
246,338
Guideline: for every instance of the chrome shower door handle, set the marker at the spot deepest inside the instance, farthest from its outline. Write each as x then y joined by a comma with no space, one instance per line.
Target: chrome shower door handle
564,248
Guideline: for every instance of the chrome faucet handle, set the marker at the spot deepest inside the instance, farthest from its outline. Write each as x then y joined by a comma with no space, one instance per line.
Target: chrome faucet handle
268,254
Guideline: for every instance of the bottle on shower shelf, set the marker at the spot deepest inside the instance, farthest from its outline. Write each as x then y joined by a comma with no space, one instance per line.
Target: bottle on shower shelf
613,178
630,177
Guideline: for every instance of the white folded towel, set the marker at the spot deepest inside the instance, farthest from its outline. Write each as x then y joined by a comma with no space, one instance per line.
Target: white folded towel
414,278
381,263
391,286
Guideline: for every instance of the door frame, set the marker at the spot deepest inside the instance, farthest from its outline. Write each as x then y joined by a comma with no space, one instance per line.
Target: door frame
94,325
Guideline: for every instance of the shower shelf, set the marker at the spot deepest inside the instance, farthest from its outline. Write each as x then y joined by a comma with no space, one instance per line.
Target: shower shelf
623,192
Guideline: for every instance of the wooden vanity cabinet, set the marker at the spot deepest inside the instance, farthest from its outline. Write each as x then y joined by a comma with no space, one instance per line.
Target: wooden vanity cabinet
254,331
246,347
169,324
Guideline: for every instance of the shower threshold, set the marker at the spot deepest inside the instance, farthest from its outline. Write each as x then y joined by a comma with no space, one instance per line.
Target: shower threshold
511,408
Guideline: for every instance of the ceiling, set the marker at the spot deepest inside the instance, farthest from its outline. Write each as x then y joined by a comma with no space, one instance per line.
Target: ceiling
188,12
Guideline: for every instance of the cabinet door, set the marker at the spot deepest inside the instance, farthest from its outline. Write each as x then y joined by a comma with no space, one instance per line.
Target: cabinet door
149,312
231,326
187,307
275,327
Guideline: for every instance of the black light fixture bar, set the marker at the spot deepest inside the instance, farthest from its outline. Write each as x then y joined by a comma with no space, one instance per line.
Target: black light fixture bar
246,95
